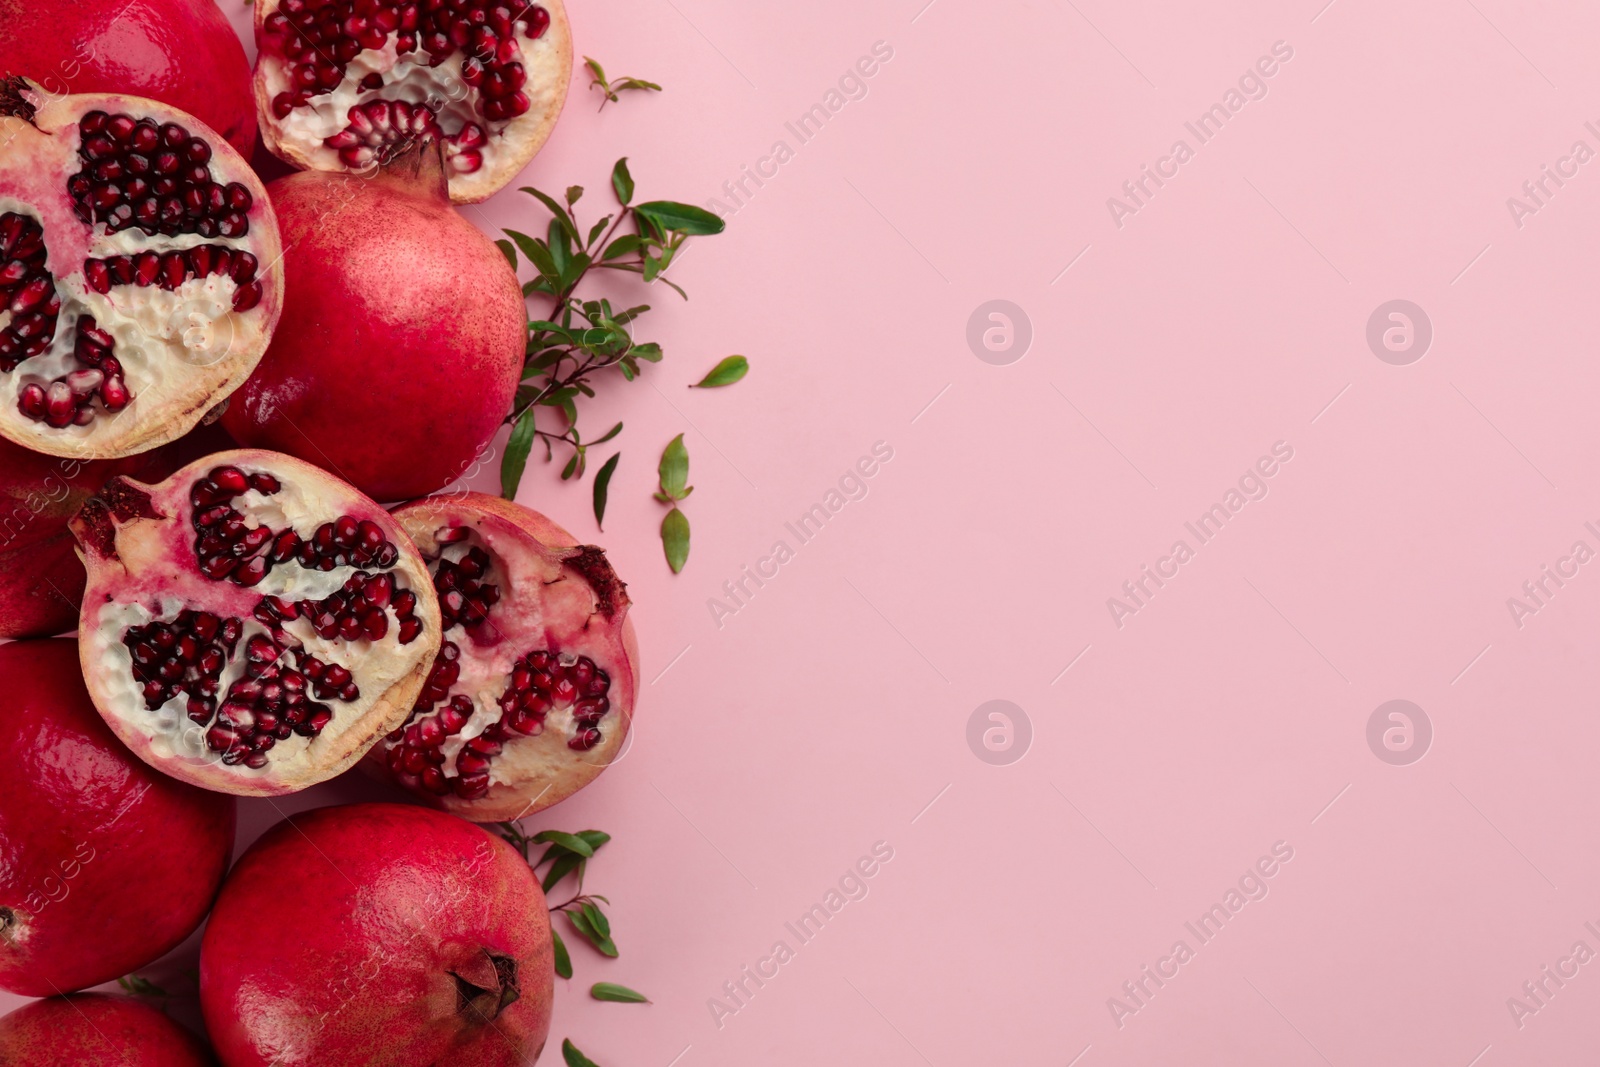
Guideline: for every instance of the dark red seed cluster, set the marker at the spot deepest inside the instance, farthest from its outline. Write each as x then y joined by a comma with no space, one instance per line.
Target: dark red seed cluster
174,268
137,172
357,610
27,291
70,399
319,39
273,701
540,681
185,655
464,598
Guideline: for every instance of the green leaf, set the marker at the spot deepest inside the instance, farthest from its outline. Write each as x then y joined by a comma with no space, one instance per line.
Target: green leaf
727,372
140,986
634,83
621,994
628,242
572,466
595,69
683,218
608,436
516,457
596,838
650,352
573,193
509,250
563,960
565,865
555,209
674,467
574,1058
596,230
621,180
675,539
570,842
538,254
602,486
597,919
602,944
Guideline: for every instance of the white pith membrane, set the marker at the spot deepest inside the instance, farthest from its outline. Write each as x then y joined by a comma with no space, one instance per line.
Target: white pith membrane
481,154
543,604
151,575
179,350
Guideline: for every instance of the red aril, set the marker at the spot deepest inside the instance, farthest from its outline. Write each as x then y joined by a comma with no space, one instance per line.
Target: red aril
105,864
92,1028
340,84
404,334
181,52
411,937
252,624
533,691
139,272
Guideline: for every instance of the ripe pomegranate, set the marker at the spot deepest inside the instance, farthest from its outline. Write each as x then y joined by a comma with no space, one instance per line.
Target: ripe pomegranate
41,579
181,52
251,624
405,334
98,1029
533,690
139,273
416,938
341,83
105,864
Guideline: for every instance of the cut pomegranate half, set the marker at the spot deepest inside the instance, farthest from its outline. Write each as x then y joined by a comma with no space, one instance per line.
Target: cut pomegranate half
251,624
139,272
340,84
532,693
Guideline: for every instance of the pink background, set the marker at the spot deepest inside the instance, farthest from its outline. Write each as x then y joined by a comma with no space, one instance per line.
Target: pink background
1228,314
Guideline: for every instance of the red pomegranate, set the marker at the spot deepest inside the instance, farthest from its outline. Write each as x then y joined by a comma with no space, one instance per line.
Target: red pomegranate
416,938
92,1028
181,52
105,864
341,83
403,342
41,579
534,688
252,624
139,273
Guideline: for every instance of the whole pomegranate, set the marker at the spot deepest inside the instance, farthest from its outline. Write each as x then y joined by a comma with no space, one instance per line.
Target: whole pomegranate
105,864
403,342
252,624
340,83
41,579
181,52
139,273
534,688
92,1028
414,938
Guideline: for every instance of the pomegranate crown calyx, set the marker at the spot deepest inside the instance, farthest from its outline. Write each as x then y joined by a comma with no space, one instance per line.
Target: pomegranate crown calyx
17,95
417,165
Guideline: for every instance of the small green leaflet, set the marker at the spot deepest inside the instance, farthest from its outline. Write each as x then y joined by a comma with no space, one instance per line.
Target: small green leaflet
516,457
582,922
570,842
618,993
675,539
509,250
622,181
574,1058
683,218
602,487
727,372
563,960
674,470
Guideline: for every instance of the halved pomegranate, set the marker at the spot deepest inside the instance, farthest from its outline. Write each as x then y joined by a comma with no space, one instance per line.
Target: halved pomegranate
341,83
251,624
139,272
532,693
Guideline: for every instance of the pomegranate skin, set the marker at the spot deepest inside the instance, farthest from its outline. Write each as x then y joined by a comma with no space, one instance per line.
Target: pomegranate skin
416,938
41,578
181,52
105,864
402,341
95,1028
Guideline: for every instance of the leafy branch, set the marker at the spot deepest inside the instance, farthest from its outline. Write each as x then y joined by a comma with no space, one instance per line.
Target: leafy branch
581,337
610,89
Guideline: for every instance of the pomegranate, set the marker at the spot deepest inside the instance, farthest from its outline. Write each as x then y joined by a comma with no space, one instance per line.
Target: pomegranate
405,334
181,52
416,938
533,690
139,273
99,1029
41,580
340,84
105,864
251,624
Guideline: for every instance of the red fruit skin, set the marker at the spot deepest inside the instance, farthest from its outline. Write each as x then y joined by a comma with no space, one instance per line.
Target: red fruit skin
181,52
389,902
41,579
105,863
403,334
93,1028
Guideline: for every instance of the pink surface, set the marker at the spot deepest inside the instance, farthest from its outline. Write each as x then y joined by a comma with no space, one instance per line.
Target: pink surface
1225,718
